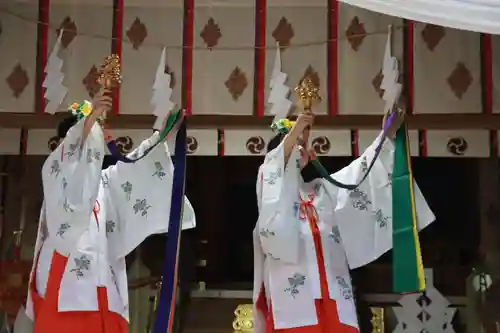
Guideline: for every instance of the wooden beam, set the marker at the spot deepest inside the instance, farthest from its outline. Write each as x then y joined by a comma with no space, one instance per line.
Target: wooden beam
420,121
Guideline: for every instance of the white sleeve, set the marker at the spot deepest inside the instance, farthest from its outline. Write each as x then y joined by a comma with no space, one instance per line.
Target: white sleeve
364,215
277,192
139,199
71,176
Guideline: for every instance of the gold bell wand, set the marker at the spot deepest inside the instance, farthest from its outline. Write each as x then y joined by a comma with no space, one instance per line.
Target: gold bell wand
110,74
307,96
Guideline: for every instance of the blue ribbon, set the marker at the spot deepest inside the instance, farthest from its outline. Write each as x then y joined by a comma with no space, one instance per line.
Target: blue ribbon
326,175
166,305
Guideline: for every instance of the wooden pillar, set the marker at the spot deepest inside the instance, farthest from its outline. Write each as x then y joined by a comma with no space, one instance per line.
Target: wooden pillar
489,204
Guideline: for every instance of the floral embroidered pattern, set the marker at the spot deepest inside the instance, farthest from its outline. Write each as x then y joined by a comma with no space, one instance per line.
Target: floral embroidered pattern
55,168
266,232
360,199
105,181
364,165
296,207
72,148
62,229
81,264
127,189
64,183
67,207
295,282
141,206
160,171
389,179
113,278
335,234
317,188
110,226
273,176
381,219
93,155
345,289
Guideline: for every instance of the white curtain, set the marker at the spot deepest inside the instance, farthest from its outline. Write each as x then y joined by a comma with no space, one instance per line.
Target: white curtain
473,15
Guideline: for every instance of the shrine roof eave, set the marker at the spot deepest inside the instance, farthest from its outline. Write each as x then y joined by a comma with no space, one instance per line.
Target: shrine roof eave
419,121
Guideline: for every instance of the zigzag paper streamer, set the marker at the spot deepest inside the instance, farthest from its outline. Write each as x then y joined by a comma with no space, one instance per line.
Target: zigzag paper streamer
278,96
390,71
55,91
162,105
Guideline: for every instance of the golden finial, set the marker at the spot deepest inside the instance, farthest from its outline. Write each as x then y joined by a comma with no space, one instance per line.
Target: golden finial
110,75
307,93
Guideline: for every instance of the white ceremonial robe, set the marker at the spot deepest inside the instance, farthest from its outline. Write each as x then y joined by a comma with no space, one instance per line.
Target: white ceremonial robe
96,217
355,228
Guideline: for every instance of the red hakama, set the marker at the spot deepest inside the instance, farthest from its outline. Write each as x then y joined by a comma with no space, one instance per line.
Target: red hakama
48,319
326,308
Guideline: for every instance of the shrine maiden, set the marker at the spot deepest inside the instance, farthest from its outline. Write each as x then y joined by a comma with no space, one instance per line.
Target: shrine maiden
90,220
310,233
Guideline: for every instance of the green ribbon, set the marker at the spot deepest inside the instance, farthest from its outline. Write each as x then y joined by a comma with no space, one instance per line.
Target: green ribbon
172,119
407,260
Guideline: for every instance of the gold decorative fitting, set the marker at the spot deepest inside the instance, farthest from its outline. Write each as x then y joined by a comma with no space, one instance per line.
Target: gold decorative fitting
311,73
307,93
110,75
377,320
243,323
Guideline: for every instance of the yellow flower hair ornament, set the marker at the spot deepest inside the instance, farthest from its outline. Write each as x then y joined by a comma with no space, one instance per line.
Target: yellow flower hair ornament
282,126
82,110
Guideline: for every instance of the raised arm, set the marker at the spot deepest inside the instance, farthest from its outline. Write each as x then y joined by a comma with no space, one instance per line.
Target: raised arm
277,197
139,197
71,175
364,215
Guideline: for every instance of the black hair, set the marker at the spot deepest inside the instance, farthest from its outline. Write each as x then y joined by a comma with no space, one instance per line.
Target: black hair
65,125
275,142
108,161
309,172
